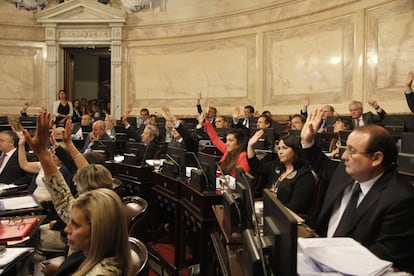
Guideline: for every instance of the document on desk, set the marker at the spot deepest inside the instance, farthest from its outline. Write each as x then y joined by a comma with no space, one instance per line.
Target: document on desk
343,255
12,254
15,203
5,188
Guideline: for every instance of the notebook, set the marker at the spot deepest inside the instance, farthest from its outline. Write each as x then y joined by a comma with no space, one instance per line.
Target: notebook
18,231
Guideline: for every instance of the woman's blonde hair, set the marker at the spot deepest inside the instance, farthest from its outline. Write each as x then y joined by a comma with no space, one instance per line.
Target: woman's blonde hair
92,177
108,233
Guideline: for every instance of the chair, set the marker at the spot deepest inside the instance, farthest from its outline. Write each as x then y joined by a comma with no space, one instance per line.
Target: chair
139,255
136,212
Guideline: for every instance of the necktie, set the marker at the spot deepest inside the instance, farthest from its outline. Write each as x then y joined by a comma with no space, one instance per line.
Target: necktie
2,157
357,122
349,211
246,123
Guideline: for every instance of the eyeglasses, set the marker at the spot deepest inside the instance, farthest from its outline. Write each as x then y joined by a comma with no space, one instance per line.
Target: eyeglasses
351,151
12,221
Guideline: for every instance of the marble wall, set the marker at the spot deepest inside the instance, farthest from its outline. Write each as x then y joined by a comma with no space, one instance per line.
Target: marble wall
270,54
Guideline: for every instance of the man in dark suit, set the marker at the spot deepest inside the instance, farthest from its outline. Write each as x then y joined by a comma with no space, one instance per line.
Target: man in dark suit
361,119
10,171
248,121
181,136
150,138
382,215
211,111
98,134
409,95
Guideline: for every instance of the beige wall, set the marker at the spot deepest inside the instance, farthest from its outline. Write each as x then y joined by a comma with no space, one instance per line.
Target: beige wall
270,54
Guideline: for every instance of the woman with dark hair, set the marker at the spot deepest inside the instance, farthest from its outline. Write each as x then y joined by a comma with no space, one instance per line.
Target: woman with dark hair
62,108
234,149
289,177
341,124
77,113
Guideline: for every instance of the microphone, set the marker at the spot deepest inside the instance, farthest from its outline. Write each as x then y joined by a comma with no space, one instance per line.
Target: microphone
201,168
175,162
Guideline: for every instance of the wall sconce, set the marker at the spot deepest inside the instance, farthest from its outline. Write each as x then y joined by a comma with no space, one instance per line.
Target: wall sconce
30,4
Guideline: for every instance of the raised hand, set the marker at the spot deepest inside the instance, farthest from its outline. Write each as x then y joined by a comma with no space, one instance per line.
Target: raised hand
201,118
306,102
311,127
40,140
166,113
67,133
409,81
373,103
253,140
236,112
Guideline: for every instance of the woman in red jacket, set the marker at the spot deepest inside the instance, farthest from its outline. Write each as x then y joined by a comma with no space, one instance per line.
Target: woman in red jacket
234,149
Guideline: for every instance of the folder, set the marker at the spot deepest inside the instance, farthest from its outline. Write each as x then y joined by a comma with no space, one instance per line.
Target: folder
15,232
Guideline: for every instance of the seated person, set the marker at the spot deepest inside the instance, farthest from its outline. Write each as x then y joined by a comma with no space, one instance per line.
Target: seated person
246,122
366,199
87,178
85,124
359,118
110,123
341,124
409,95
297,121
182,137
211,111
265,121
221,122
289,177
10,171
234,150
98,134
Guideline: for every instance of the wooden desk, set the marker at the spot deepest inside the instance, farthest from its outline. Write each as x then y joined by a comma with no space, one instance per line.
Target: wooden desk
136,180
186,216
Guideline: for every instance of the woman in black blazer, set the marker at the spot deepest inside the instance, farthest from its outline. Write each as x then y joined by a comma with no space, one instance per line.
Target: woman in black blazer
289,177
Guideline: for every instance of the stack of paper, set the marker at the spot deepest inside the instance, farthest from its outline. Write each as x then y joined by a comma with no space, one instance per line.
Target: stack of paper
343,255
15,203
12,254
4,188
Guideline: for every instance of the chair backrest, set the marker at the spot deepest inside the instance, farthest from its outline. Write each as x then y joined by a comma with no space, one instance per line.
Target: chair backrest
135,211
139,255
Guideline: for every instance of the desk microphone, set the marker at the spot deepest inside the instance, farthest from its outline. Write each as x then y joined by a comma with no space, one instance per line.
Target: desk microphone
175,162
200,167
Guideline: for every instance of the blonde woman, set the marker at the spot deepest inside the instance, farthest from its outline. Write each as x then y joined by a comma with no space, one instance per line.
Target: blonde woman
91,230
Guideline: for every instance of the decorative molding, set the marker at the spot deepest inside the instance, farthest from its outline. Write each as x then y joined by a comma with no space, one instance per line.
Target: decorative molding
81,11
